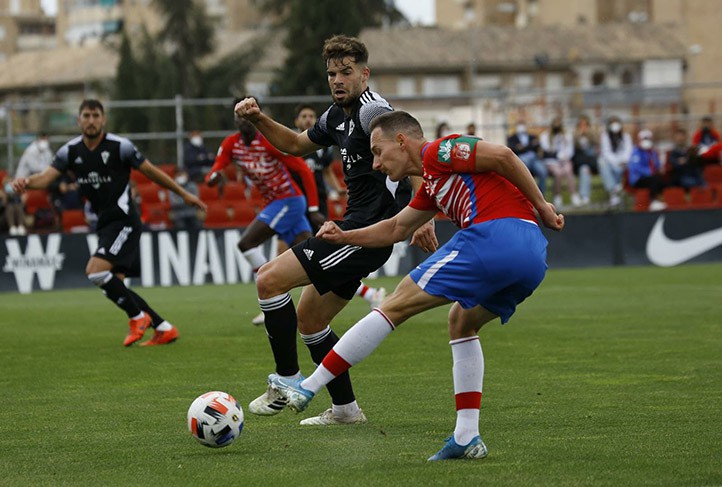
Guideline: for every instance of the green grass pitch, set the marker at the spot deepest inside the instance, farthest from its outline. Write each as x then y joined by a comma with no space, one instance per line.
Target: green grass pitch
603,377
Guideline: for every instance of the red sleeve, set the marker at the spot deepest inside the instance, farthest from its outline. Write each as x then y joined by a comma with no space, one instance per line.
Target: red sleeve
713,153
223,157
299,166
697,137
422,201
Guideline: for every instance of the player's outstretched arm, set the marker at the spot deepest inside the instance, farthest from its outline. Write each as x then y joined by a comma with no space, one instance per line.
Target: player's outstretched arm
381,234
425,236
502,160
161,178
36,181
280,136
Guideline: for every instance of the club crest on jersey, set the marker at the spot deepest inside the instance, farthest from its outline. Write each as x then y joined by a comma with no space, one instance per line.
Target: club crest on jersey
462,151
78,160
445,150
105,155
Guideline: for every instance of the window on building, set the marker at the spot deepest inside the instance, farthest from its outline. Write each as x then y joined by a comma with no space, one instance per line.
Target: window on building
406,86
599,78
440,85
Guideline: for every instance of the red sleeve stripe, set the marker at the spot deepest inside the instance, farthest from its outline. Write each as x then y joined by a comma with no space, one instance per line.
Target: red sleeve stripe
468,400
385,317
335,364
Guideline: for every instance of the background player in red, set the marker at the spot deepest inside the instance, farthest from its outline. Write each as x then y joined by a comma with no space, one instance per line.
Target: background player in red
491,265
102,163
269,170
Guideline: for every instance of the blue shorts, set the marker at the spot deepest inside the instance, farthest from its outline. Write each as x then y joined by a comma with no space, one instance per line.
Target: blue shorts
286,217
496,264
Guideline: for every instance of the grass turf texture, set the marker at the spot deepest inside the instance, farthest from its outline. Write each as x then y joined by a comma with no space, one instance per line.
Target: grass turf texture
603,377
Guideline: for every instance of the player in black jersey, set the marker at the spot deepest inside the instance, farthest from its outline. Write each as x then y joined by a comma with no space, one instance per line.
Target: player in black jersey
334,272
102,163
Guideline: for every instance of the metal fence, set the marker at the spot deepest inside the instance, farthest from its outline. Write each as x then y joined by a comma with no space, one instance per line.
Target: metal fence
493,112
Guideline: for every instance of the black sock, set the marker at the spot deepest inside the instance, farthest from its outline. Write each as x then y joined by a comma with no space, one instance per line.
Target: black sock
320,344
116,291
280,318
157,319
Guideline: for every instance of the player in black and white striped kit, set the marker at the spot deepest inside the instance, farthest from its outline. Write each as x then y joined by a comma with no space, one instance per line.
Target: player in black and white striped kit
102,163
334,272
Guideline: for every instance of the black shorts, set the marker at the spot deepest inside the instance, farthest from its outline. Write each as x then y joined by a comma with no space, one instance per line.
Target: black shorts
119,244
338,268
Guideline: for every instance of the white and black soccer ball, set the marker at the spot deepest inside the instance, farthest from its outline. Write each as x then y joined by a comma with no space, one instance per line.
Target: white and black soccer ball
215,419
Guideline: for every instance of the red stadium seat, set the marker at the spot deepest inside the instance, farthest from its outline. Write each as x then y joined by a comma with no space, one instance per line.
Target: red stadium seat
675,198
337,168
233,191
139,178
641,200
207,193
151,193
36,199
73,221
336,209
243,214
157,215
702,198
218,215
169,169
713,174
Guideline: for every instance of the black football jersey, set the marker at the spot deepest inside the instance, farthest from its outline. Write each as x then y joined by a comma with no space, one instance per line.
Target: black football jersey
371,197
103,174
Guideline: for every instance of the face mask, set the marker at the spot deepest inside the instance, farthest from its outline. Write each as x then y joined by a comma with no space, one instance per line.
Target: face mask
181,180
197,140
521,129
615,127
646,144
43,145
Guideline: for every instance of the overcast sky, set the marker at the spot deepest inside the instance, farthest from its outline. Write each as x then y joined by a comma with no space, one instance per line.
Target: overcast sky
418,11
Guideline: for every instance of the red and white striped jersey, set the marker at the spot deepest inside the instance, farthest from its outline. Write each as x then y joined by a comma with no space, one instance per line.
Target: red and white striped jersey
466,197
267,168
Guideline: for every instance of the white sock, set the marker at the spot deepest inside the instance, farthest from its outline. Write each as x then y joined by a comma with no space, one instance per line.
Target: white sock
255,257
138,316
165,326
355,345
350,409
468,374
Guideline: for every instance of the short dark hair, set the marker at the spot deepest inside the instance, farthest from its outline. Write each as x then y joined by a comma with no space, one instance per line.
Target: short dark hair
301,107
395,122
341,46
91,104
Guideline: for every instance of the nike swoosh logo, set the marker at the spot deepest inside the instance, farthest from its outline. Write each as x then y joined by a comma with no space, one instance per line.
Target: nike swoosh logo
665,252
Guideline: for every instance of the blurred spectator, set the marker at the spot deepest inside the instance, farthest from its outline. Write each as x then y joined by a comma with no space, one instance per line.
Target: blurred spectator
471,129
705,135
645,170
683,169
197,159
586,152
183,216
558,148
442,130
65,194
526,147
616,150
14,208
36,158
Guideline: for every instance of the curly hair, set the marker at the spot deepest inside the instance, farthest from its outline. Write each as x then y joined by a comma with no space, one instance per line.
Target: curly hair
341,46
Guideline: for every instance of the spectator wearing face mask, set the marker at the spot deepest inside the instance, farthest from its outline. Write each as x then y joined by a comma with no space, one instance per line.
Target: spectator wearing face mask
558,148
645,169
183,216
197,159
706,135
526,147
36,158
615,151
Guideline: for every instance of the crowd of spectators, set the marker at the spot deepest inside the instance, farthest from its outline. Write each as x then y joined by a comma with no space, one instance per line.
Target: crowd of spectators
619,157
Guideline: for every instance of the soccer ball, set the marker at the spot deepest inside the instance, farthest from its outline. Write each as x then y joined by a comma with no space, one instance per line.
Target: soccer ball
215,419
